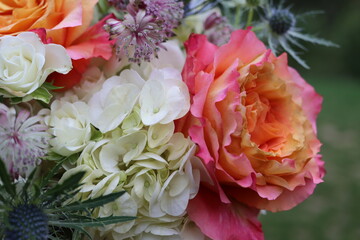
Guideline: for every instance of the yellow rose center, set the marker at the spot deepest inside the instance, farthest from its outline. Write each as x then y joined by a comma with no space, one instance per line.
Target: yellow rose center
274,122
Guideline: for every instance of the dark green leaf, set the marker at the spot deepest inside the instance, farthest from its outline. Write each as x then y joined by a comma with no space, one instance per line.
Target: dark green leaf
24,189
16,100
6,180
91,203
68,185
91,222
52,173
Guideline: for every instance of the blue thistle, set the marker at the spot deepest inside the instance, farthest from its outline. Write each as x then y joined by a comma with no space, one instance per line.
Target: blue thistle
26,221
36,210
278,27
281,21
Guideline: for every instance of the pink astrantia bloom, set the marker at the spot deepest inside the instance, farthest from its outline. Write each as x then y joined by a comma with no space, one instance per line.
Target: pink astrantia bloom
138,36
23,141
218,29
145,26
253,118
168,12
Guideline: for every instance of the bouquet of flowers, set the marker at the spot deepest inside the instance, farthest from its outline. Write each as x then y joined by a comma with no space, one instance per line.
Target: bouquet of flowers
152,119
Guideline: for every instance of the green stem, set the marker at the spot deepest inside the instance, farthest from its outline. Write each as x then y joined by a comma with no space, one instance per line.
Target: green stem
250,17
237,16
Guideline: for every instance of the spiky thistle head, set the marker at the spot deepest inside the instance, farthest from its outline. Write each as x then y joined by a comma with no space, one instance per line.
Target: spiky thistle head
281,21
26,221
40,210
278,26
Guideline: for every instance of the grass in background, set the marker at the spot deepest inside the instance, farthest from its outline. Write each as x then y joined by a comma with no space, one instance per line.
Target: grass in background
333,211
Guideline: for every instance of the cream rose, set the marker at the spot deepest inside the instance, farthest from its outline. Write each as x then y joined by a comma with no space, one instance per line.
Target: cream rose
70,124
25,63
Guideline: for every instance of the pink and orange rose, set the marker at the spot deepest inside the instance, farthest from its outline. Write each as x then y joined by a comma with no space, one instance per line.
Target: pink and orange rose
253,118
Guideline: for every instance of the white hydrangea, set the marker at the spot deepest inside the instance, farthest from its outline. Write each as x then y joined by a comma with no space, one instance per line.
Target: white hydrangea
69,123
140,153
115,101
170,57
164,97
91,82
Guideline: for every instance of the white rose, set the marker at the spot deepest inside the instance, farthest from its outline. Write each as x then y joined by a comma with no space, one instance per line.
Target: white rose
25,63
70,125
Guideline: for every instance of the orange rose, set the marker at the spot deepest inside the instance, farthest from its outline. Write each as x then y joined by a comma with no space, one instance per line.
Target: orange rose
253,118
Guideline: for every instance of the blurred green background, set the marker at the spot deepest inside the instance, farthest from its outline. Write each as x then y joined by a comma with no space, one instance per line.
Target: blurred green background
333,211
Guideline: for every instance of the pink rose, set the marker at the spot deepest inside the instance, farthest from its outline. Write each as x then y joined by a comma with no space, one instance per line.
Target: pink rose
253,118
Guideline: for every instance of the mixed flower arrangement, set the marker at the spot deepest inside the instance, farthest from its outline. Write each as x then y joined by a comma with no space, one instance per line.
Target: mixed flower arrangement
152,119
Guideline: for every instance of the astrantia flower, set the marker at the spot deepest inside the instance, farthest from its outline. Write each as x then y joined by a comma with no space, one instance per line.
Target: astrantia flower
169,12
146,25
119,4
278,27
218,29
23,140
138,36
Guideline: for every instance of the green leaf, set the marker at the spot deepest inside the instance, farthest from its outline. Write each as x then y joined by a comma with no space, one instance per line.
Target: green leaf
41,94
96,135
16,100
77,234
52,172
73,158
50,86
91,203
90,222
6,180
68,185
27,184
52,156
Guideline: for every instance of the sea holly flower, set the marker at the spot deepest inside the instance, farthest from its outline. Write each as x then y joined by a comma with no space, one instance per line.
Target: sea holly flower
278,26
23,140
39,210
27,221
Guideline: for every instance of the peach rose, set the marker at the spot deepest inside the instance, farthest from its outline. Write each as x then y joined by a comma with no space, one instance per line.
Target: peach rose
253,118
